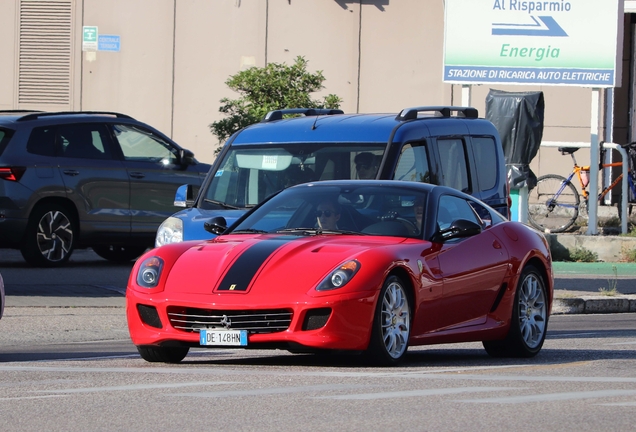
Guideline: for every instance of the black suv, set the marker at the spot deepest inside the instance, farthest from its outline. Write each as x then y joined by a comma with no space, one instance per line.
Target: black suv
86,179
443,145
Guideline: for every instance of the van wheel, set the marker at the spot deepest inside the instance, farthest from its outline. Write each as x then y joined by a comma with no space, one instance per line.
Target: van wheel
117,253
50,236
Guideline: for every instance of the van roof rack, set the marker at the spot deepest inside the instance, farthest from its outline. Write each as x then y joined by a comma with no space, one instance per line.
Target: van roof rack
278,114
37,115
442,111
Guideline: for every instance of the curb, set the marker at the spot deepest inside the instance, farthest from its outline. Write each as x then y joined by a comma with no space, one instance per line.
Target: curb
594,304
609,248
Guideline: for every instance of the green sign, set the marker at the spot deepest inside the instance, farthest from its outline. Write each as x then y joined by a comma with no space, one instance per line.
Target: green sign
560,42
89,38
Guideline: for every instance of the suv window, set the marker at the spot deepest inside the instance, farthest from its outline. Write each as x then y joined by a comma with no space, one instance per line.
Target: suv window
42,141
454,169
87,141
139,145
486,158
413,164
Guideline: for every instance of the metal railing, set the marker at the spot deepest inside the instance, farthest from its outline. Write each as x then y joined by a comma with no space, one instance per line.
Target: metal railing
624,182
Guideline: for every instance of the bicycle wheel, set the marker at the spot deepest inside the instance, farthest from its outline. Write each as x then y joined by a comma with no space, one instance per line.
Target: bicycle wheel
553,204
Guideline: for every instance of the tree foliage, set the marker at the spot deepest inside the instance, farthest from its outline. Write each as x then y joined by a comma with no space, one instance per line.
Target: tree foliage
275,86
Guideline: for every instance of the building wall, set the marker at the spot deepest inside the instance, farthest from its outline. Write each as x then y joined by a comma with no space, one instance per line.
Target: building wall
377,55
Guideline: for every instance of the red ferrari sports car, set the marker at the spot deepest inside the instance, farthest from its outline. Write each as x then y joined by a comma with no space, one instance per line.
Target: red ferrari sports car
368,266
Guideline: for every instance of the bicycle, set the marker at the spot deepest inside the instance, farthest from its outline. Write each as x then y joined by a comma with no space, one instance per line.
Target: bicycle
554,203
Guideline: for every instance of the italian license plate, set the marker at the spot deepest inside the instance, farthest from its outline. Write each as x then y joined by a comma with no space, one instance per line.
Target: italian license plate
223,337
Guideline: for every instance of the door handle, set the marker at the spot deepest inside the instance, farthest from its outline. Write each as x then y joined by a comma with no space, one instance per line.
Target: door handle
71,172
137,175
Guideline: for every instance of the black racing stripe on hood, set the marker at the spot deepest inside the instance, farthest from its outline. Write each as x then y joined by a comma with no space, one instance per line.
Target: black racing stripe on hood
239,276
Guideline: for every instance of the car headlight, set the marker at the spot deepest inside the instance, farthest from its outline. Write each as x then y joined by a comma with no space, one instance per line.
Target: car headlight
340,276
149,272
170,231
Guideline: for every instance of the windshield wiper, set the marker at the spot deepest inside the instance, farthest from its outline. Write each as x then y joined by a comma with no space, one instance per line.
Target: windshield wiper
317,231
222,204
249,230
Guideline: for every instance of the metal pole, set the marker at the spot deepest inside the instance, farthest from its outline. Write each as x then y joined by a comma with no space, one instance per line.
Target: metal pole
466,94
592,201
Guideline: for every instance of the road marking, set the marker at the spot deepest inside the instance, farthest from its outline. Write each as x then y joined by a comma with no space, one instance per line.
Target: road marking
599,394
558,336
134,387
622,343
270,391
416,393
30,397
440,374
625,404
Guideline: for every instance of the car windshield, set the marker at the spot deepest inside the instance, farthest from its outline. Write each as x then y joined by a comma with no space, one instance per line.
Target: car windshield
248,175
329,209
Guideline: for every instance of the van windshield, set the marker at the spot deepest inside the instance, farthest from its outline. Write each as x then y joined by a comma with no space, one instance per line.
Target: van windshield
249,174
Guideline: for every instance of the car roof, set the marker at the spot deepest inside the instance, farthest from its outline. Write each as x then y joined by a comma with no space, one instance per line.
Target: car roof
371,128
16,117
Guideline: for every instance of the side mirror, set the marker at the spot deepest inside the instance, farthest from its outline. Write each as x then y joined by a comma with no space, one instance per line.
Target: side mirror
216,225
459,228
186,157
184,197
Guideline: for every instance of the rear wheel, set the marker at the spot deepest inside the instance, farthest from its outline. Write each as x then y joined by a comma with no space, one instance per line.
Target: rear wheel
549,212
391,324
50,236
155,354
119,253
529,322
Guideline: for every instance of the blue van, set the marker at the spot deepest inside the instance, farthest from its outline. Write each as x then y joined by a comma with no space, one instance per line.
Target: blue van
443,145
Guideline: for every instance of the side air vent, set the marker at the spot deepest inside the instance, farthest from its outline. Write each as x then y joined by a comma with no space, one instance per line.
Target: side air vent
44,74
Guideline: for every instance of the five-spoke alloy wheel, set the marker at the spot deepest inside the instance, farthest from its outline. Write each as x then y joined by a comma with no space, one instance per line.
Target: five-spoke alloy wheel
391,325
529,322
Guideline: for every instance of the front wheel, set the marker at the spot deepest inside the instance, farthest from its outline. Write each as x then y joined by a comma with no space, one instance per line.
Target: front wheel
49,238
553,204
153,354
391,324
119,253
529,322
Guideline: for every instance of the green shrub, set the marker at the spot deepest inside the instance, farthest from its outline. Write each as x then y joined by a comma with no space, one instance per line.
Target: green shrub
583,255
630,255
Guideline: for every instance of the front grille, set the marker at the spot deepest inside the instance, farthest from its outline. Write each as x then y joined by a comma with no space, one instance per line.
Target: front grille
254,321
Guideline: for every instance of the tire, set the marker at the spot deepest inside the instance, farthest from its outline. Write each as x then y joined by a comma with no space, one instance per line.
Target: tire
529,321
154,354
50,235
391,324
547,213
118,253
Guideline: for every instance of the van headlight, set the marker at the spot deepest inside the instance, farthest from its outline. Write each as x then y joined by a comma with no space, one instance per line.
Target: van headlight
170,231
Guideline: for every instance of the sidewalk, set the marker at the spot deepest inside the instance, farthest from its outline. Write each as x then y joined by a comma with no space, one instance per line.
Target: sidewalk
581,288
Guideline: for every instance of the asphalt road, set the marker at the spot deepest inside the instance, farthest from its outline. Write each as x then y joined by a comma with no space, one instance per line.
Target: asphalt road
582,380
75,369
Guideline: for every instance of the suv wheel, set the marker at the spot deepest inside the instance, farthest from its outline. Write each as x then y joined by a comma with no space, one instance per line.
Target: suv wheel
50,236
117,253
